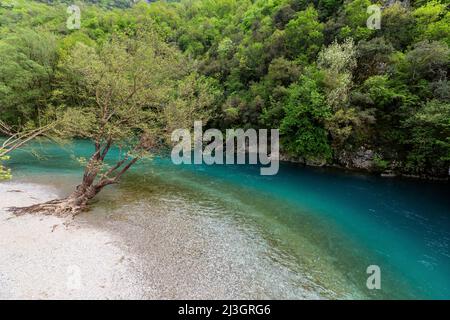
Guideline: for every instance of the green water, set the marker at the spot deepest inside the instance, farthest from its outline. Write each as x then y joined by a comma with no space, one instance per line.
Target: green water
326,224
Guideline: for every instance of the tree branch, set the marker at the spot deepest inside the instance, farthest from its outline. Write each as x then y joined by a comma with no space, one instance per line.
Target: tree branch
17,140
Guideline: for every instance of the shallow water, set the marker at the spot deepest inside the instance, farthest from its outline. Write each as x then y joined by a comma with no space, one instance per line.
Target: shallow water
323,228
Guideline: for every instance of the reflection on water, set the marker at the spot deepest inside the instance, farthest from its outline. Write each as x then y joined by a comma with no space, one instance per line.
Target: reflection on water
322,228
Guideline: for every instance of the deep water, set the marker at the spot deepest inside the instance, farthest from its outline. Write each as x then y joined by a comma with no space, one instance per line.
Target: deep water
330,225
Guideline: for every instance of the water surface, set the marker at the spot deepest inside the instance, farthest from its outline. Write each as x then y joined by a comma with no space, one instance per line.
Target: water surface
325,225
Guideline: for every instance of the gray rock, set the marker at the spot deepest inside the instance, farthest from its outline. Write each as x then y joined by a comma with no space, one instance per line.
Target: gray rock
361,159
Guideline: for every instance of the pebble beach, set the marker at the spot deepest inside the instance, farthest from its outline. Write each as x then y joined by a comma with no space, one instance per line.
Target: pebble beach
106,254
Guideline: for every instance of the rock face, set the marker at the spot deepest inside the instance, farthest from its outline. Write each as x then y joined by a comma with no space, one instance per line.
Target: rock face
361,159
308,162
364,159
288,158
316,162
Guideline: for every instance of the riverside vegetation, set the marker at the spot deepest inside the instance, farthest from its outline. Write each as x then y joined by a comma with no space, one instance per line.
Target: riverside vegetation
340,93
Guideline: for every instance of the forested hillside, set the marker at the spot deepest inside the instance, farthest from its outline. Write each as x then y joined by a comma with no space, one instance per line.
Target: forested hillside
340,93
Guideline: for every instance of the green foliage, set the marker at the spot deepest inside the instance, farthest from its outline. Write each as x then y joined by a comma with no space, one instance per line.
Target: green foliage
5,174
428,60
430,138
380,163
398,26
373,58
304,34
192,99
303,127
28,62
354,15
338,61
433,22
118,88
311,68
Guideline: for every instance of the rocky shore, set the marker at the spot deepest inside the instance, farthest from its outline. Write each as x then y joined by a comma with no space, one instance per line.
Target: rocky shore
365,160
134,252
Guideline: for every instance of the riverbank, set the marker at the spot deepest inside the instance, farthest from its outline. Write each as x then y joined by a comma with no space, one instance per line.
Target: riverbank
368,168
46,257
115,254
228,232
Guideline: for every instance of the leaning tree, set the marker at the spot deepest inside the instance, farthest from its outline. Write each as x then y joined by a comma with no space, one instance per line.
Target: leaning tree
122,95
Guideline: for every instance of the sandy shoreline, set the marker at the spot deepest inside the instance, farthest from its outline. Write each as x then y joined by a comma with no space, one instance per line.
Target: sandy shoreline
41,258
124,254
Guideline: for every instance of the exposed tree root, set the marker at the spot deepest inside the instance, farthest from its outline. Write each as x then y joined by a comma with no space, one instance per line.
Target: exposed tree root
90,186
60,208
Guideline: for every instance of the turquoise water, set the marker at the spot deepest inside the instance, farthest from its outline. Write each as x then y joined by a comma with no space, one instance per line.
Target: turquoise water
329,224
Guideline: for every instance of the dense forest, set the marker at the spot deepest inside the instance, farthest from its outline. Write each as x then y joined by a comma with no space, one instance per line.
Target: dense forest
340,93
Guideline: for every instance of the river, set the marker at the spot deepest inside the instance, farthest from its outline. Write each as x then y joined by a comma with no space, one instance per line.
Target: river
319,228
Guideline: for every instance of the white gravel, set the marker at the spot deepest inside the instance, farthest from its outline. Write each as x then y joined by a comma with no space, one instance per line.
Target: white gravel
41,258
145,250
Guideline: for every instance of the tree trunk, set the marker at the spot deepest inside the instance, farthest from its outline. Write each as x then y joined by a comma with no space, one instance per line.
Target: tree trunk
92,184
74,203
70,206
